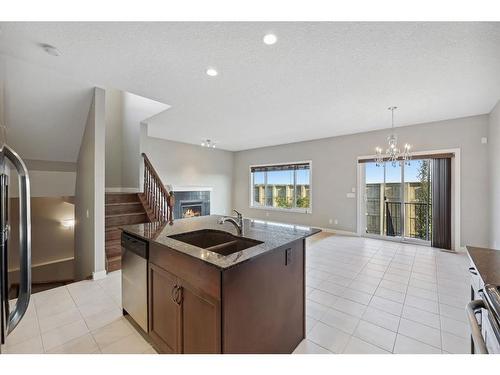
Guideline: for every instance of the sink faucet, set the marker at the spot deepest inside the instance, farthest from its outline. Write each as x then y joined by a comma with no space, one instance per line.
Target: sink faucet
237,222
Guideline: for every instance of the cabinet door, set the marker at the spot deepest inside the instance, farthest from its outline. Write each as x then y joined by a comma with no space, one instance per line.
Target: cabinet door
264,302
200,321
164,310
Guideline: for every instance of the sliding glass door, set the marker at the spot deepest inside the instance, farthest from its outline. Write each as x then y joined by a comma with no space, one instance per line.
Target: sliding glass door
398,200
418,200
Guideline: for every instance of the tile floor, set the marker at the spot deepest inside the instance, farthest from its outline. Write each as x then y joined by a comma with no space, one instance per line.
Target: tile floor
363,296
84,317
372,296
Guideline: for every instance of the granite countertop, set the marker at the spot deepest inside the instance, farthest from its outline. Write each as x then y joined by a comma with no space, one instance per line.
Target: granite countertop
487,263
272,235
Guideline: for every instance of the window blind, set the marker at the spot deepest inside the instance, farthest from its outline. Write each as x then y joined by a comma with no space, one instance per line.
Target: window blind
280,167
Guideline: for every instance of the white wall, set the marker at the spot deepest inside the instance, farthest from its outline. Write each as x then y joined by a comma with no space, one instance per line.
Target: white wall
136,109
114,138
494,174
188,165
124,114
89,200
334,173
2,95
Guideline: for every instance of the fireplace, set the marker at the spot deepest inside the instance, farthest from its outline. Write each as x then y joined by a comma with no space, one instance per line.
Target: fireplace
191,209
191,204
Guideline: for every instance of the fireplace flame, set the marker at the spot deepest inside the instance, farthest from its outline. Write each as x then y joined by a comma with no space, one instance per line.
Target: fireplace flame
191,213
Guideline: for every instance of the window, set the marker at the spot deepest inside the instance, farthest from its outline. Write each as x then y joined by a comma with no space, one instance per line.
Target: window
282,186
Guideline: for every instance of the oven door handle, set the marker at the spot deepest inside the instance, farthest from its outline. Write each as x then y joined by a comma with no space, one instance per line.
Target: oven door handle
477,337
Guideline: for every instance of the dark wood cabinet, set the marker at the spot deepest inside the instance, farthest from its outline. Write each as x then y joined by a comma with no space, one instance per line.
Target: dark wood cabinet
183,318
165,317
256,306
265,303
200,321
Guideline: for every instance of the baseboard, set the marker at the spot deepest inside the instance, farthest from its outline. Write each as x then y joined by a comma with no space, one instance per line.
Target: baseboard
99,275
328,230
121,190
60,269
339,231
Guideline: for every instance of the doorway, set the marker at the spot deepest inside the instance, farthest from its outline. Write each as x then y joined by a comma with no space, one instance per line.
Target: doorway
398,201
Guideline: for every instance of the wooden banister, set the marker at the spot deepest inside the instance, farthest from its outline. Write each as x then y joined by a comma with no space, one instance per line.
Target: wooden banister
156,195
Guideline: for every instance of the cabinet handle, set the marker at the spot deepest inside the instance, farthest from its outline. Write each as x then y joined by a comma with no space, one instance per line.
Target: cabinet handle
473,271
173,293
178,295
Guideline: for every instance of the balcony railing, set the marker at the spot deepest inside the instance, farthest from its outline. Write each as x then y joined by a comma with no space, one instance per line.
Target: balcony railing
418,220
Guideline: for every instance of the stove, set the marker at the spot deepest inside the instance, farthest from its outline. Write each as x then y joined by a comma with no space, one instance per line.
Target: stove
491,297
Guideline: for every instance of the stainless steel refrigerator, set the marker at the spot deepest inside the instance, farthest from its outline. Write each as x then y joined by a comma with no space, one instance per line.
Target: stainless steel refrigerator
11,316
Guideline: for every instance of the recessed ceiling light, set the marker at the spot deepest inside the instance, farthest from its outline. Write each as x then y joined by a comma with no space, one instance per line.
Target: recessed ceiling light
51,50
270,39
212,72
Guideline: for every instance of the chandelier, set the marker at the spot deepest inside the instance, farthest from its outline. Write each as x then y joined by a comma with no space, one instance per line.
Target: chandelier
393,153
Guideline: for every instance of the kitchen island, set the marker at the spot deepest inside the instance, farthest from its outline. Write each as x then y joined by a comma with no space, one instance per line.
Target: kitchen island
213,291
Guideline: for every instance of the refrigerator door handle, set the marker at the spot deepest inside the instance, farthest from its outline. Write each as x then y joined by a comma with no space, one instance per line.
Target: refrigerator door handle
23,299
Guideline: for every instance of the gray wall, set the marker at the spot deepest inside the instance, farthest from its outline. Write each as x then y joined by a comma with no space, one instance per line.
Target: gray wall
494,172
334,173
184,164
89,193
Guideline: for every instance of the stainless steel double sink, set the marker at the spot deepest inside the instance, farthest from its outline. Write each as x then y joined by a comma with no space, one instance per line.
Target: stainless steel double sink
217,241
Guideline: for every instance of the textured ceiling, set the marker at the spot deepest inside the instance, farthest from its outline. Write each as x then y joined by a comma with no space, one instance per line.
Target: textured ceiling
319,80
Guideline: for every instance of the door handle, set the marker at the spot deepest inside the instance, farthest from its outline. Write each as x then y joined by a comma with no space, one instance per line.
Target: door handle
476,334
23,299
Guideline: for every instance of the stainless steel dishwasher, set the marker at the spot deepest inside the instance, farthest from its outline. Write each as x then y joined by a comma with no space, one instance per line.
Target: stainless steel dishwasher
135,279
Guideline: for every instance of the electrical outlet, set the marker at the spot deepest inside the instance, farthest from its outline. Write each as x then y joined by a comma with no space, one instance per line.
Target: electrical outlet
330,221
336,221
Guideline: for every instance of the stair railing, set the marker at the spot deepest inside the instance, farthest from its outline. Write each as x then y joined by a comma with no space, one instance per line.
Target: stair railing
155,193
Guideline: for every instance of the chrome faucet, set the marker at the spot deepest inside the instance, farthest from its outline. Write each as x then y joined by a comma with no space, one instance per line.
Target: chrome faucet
237,222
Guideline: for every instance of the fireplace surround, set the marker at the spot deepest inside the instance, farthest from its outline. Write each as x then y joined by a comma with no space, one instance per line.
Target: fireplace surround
191,204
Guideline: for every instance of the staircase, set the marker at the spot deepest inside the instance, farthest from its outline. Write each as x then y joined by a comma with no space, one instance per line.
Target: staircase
120,209
152,205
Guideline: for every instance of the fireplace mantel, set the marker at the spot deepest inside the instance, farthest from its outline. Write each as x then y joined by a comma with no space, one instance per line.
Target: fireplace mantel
176,188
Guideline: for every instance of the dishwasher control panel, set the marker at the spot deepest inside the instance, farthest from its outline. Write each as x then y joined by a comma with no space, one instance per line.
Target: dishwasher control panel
136,245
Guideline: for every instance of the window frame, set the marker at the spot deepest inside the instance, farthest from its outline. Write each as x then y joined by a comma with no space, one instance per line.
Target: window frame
270,208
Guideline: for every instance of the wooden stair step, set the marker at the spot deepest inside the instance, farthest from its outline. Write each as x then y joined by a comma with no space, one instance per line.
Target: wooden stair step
113,264
125,219
124,208
121,197
112,233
